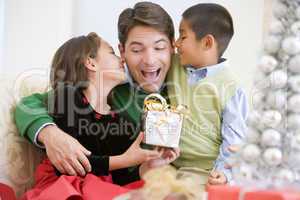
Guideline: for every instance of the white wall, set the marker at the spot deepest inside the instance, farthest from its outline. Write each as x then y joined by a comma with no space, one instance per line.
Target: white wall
1,33
33,30
94,15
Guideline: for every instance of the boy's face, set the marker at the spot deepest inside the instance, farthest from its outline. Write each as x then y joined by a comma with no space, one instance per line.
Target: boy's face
189,48
147,53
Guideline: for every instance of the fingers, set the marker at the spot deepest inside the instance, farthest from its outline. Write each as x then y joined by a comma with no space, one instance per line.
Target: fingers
151,154
77,167
233,148
177,151
157,163
85,151
171,156
68,169
60,168
216,178
139,139
85,162
214,174
215,181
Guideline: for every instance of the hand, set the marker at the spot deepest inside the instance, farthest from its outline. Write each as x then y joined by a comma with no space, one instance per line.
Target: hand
233,149
216,178
64,151
135,155
168,155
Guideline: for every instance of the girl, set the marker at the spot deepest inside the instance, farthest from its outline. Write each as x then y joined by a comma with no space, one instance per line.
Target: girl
84,70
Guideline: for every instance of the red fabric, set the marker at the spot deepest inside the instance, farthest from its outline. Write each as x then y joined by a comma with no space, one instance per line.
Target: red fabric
49,186
135,185
6,192
233,193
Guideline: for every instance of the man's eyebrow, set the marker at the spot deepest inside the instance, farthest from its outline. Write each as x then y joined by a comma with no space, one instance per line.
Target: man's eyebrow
135,43
181,30
160,40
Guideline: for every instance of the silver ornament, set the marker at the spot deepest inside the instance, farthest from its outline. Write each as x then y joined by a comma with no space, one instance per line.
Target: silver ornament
277,99
294,64
276,27
253,135
294,82
291,45
272,44
298,13
295,28
271,118
251,153
295,143
272,156
294,160
279,10
254,118
245,172
278,79
293,121
267,63
270,137
257,99
294,103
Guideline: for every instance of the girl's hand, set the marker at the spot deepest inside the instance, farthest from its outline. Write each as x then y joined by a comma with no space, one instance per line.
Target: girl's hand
135,155
168,155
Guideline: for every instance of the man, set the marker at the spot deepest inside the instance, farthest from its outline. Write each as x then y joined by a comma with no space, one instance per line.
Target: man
146,34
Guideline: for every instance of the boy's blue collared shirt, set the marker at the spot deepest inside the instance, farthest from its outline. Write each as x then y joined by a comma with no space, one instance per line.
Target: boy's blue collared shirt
234,115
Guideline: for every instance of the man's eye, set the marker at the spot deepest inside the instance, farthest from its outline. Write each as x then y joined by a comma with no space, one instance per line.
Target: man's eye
160,48
183,37
136,50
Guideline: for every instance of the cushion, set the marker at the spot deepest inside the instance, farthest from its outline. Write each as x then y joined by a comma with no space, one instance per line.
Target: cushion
18,157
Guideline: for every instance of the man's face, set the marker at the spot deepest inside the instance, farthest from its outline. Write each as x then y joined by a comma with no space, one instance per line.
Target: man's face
147,53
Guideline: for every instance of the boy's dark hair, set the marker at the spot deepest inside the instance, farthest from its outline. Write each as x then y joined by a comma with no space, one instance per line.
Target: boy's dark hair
210,18
145,14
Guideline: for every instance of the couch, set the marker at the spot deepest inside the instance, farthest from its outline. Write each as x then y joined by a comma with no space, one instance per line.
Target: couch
18,157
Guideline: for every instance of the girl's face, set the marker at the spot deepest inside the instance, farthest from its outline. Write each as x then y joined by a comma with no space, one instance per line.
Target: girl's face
109,66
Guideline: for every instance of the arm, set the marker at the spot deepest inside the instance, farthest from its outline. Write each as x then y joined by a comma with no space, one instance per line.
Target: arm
64,152
233,129
123,165
31,115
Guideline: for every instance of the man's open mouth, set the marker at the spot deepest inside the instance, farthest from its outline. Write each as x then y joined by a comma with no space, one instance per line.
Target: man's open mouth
151,75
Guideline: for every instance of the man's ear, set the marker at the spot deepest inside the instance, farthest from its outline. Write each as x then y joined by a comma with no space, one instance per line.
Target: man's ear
90,64
208,41
122,51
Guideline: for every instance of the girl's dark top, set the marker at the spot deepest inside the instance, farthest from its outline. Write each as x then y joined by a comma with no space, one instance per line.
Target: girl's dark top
103,135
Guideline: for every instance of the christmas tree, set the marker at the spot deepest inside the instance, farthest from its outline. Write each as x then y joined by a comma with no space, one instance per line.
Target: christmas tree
270,156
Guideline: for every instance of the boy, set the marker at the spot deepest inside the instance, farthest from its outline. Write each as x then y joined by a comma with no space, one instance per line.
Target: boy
217,104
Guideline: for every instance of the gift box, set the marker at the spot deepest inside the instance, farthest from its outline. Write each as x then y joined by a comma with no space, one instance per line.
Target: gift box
237,193
162,124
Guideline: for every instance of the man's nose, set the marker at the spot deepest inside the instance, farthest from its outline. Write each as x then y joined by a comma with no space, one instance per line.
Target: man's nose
149,57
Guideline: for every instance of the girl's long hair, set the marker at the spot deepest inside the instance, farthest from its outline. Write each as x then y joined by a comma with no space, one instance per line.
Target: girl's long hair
68,67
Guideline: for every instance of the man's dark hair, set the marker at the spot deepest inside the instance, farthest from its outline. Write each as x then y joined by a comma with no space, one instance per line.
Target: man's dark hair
145,14
210,18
